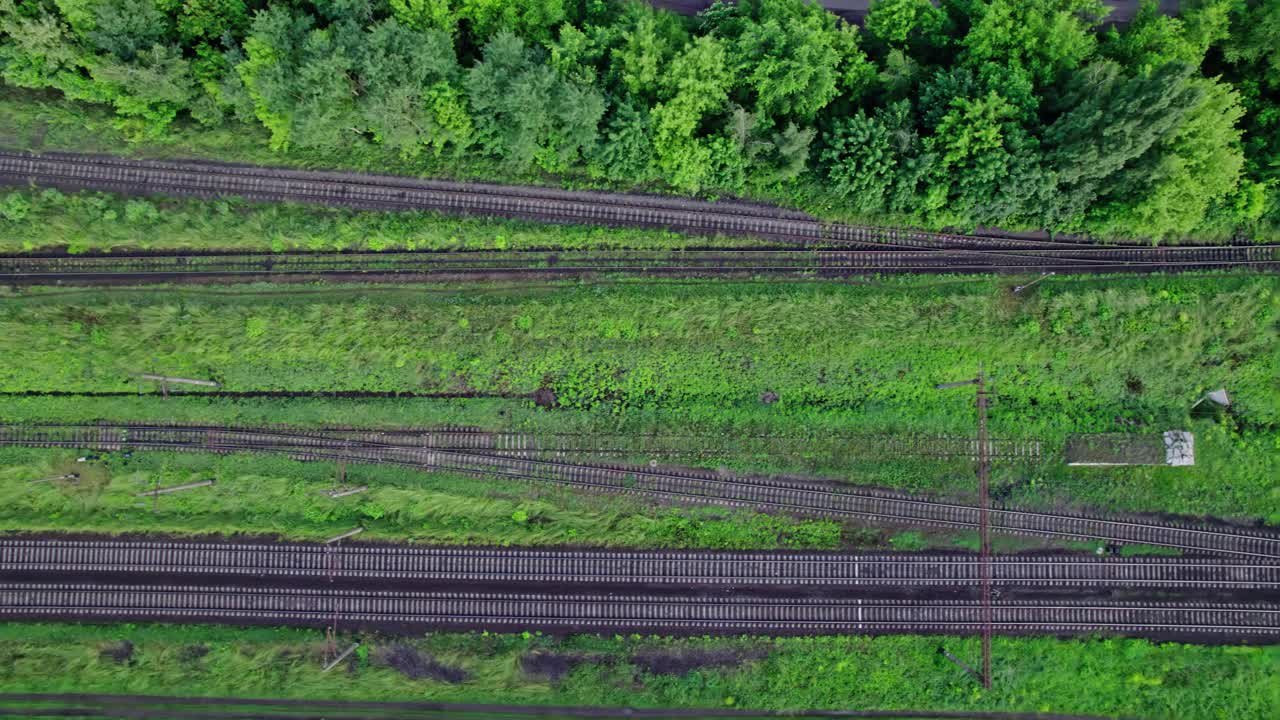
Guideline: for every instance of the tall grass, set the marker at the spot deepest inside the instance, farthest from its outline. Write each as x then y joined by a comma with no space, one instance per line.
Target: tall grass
48,220
1105,677
272,496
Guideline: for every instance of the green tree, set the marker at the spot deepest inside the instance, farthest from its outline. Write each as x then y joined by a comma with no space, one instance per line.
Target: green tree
150,91
1044,37
524,112
211,19
357,12
575,54
645,43
300,78
425,14
1115,120
411,98
126,27
698,84
1010,82
528,19
38,49
905,24
792,58
971,141
1169,190
764,156
1153,38
1252,54
861,160
899,76
1255,40
627,154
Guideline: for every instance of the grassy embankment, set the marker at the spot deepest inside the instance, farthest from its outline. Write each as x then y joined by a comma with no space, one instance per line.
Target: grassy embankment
1122,354
1114,677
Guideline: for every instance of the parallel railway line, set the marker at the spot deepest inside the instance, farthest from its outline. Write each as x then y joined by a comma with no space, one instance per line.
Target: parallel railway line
455,565
892,250
569,444
540,445
383,192
766,493
818,263
667,614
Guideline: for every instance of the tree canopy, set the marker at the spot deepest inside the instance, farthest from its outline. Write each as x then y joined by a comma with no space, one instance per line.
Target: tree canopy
963,112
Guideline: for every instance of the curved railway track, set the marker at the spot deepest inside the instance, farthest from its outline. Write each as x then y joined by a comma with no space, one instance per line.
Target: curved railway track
569,444
383,192
817,263
600,613
615,567
732,218
764,493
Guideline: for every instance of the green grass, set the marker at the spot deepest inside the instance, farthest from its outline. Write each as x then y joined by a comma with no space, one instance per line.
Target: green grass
1111,677
1127,354
1077,353
48,220
274,496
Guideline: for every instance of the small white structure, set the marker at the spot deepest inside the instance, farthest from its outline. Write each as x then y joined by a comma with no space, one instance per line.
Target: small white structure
1179,448
1175,447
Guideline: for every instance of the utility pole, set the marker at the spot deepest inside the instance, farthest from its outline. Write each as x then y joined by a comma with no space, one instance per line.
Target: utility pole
984,515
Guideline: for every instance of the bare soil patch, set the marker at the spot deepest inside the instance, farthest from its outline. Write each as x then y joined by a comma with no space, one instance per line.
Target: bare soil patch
413,664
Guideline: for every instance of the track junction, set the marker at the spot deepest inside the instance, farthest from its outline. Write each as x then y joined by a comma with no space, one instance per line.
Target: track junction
805,245
801,496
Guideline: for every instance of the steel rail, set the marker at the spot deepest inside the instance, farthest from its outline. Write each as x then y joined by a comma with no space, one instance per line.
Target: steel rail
525,443
626,567
818,263
752,492
657,613
23,168
387,192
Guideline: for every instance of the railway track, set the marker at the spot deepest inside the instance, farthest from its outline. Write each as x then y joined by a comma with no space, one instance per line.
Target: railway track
554,445
612,567
762,493
383,192
817,263
564,444
642,613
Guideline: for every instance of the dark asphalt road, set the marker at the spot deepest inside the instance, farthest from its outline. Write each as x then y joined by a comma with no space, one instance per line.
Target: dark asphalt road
854,10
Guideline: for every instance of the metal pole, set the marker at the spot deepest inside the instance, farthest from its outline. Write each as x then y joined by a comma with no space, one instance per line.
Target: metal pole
334,663
176,488
165,379
1020,288
962,664
348,491
344,535
984,526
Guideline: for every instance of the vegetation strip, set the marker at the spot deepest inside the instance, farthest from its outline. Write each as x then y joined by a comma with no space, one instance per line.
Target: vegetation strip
131,703
759,492
1034,674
